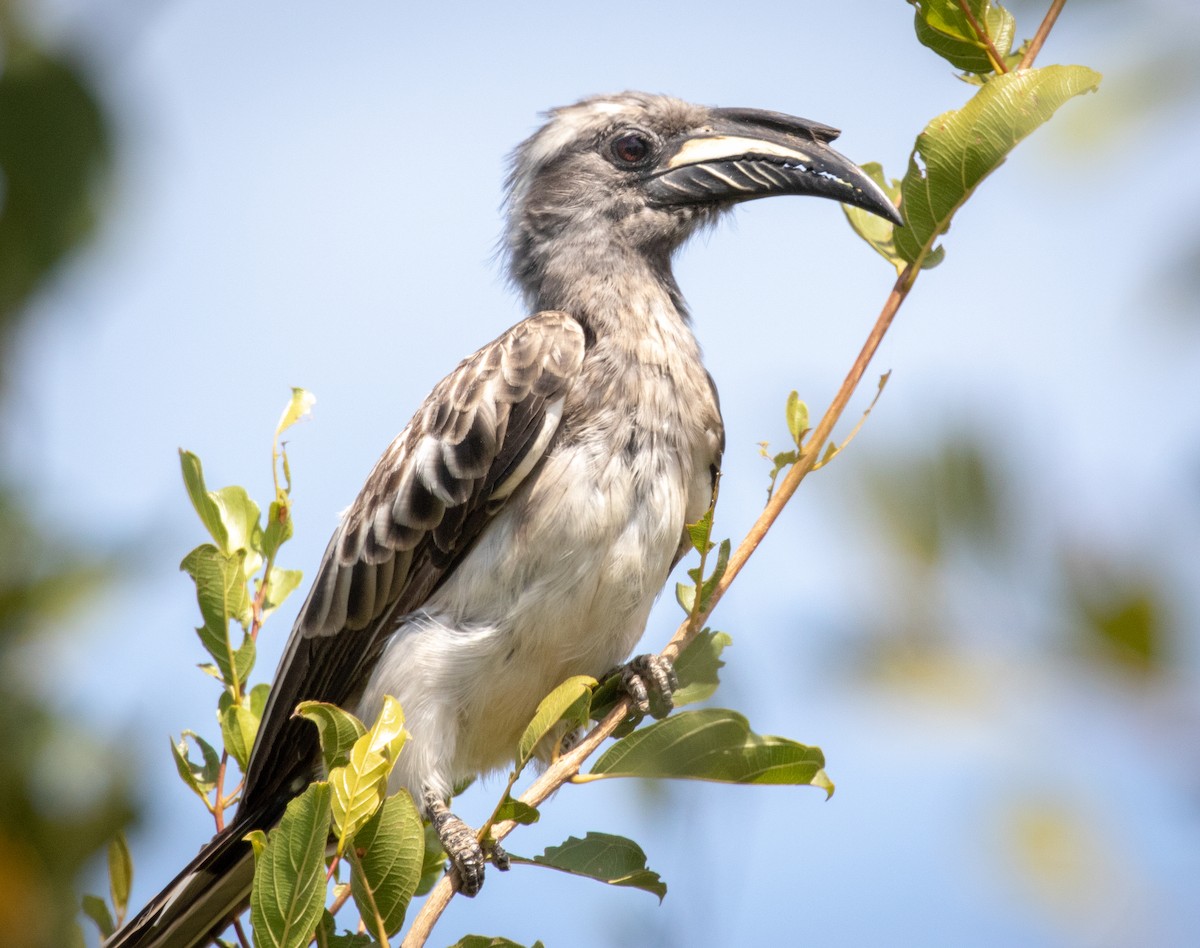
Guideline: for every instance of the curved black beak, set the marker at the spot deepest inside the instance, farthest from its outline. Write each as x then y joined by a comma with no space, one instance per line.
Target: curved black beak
743,154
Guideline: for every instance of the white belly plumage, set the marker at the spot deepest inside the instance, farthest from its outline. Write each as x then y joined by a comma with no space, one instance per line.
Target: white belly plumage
597,535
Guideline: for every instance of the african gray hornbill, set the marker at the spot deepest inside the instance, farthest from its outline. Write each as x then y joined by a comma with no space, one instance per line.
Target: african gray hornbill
519,528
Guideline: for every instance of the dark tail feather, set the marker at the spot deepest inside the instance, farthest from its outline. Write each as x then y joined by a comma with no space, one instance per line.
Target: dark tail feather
200,901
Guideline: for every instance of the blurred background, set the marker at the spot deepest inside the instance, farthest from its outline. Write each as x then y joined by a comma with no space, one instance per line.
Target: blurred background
985,612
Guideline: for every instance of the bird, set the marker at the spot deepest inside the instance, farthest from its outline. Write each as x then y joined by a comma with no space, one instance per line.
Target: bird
520,527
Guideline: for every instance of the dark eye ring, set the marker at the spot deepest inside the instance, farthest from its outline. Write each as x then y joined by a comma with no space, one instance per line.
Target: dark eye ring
631,148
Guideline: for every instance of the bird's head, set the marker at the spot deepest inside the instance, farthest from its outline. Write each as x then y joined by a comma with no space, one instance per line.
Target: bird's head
617,175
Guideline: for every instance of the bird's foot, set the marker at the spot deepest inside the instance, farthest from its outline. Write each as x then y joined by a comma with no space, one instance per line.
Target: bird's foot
462,847
650,682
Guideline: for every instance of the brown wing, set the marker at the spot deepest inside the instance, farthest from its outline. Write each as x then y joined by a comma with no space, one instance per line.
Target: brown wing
482,429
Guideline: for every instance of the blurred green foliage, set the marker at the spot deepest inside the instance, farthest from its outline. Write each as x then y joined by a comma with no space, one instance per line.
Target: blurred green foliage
957,505
54,819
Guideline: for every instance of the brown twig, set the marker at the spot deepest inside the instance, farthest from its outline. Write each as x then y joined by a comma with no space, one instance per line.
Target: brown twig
993,53
567,766
1039,38
241,932
219,792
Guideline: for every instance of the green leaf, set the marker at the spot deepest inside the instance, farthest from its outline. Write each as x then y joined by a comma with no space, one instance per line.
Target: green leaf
700,532
960,148
206,507
200,776
490,941
120,874
289,874
797,414
338,730
570,701
697,667
359,786
434,864
517,811
96,909
221,593
258,699
298,407
282,584
612,859
243,659
711,744
239,725
258,842
279,526
386,862
229,515
942,26
239,514
880,234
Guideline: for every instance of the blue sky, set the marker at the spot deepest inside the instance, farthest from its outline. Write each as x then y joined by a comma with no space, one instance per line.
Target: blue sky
309,195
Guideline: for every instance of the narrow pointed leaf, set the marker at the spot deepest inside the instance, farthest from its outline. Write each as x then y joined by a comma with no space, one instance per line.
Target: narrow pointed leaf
388,853
960,148
120,874
570,701
338,730
289,875
698,665
607,858
711,744
797,415
298,406
96,909
206,507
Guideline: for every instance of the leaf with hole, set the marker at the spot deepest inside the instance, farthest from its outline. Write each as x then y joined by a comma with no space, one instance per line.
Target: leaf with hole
958,149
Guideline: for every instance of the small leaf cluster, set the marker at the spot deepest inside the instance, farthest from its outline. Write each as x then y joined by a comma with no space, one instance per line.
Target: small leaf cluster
960,148
380,837
236,581
120,879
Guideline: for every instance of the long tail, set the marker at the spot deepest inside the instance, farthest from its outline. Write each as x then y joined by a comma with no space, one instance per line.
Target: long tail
199,902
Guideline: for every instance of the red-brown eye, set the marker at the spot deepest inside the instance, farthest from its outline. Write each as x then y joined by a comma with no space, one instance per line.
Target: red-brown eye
631,149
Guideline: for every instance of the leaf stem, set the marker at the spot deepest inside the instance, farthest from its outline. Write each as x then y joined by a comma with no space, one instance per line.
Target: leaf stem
219,793
241,932
993,53
567,766
1039,38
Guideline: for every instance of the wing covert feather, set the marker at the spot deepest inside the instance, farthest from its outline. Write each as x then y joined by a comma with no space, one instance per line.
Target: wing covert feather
423,506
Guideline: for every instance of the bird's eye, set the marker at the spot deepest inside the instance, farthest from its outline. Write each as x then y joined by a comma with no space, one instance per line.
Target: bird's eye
631,148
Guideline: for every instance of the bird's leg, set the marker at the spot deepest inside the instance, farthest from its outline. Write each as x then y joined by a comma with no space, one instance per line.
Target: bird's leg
462,847
650,682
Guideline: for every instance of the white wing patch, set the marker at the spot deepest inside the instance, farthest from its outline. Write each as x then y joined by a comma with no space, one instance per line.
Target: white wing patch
554,412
